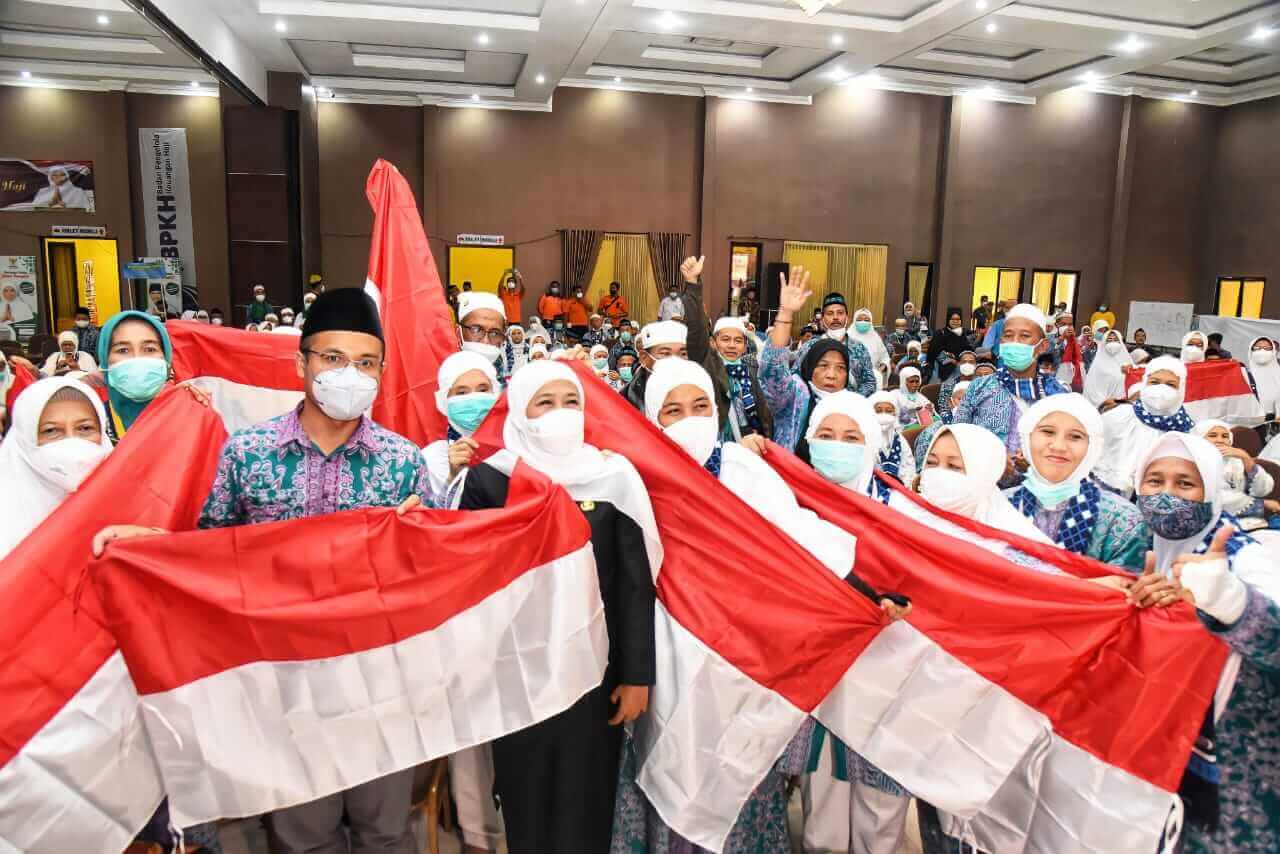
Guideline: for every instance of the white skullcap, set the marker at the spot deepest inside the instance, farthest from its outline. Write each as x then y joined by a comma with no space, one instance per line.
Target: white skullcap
285,330
668,374
69,335
727,322
469,301
663,332
1027,311
462,362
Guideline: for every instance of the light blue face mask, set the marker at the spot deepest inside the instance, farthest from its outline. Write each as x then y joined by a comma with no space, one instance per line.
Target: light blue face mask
1050,495
838,462
600,363
1017,357
625,373
141,379
468,411
862,326
626,337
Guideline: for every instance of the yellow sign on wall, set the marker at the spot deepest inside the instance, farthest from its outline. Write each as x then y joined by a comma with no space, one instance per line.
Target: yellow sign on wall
95,266
482,266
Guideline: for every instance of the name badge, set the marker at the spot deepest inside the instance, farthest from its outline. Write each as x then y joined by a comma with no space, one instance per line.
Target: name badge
587,506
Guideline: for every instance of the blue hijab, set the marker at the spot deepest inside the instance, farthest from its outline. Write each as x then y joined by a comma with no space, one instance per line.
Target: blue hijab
125,409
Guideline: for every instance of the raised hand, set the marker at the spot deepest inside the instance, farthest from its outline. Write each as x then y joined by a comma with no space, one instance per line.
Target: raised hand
795,291
691,269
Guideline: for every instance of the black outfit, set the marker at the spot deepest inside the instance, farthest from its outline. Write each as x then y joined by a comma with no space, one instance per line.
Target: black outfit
945,341
698,345
556,780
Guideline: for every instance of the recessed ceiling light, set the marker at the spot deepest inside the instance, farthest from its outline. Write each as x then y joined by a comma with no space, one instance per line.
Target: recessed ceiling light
617,80
281,26
837,73
1195,92
1262,33
541,78
668,21
1131,45
989,90
992,27
1089,76
981,4
483,38
837,40
103,20
26,75
750,90
195,84
475,97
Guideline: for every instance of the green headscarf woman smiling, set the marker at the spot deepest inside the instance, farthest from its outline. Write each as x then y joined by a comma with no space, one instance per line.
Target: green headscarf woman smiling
135,354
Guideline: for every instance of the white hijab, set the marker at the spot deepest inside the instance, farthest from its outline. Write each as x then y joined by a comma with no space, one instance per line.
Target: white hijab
452,369
906,406
586,473
874,344
984,464
1266,378
520,352
1105,378
887,432
1208,461
1078,408
1174,366
29,494
863,413
1186,341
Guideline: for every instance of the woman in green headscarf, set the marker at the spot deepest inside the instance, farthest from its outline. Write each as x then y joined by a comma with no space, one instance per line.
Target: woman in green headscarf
136,357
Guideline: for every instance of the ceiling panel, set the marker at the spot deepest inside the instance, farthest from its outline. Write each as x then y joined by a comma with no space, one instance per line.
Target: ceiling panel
776,63
1185,13
482,67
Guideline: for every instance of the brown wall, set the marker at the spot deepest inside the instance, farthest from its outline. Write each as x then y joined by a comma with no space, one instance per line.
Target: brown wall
1031,187
855,167
54,124
1243,215
351,138
202,117
1171,146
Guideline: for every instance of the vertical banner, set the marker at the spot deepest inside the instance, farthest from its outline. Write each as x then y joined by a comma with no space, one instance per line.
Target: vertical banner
19,305
166,195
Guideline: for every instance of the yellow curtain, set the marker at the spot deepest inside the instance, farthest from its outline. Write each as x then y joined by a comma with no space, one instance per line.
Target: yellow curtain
624,258
917,278
855,270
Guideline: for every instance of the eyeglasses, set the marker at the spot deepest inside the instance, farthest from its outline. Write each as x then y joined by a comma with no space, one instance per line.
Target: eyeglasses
334,360
479,333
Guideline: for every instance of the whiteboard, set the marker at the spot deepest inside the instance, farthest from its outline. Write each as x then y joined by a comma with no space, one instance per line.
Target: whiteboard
1165,322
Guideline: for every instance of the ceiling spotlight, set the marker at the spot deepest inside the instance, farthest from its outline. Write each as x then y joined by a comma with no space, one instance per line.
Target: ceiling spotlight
1089,77
992,27
483,38
1131,45
989,91
540,79
981,4
195,84
475,97
1194,93
103,20
1262,33
617,80
668,21
837,40
281,26
750,90
837,73
26,75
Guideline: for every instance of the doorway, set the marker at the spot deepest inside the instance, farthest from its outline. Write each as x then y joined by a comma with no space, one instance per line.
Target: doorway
79,273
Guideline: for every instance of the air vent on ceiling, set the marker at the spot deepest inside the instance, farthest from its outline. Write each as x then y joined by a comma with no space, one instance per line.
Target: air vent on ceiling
706,42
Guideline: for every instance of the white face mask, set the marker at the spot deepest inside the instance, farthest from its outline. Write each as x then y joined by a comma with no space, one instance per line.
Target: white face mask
260,297
967,369
696,434
559,432
67,462
488,351
82,324
1160,399
1192,354
837,334
217,321
1262,357
949,490
956,324
1115,348
344,395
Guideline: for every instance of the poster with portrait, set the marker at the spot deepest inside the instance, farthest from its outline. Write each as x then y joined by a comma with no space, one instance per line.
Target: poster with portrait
40,185
19,304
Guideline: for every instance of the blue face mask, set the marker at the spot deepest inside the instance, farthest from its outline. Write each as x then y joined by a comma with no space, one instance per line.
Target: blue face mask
1172,517
1017,357
862,325
838,462
1050,495
468,411
734,362
626,337
140,380
600,363
625,373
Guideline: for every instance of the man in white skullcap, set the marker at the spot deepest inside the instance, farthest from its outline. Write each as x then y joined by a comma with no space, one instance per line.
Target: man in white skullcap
482,327
749,411
997,402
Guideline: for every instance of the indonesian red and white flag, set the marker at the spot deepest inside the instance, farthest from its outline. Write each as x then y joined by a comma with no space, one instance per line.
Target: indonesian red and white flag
1215,389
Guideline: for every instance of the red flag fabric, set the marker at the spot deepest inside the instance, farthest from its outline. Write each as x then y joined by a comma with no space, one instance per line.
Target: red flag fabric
1212,379
202,350
416,319
1073,361
76,772
21,379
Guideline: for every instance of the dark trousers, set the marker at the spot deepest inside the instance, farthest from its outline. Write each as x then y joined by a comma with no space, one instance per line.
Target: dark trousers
377,815
556,780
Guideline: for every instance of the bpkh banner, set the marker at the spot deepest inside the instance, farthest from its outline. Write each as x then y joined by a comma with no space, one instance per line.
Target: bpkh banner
33,185
166,194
